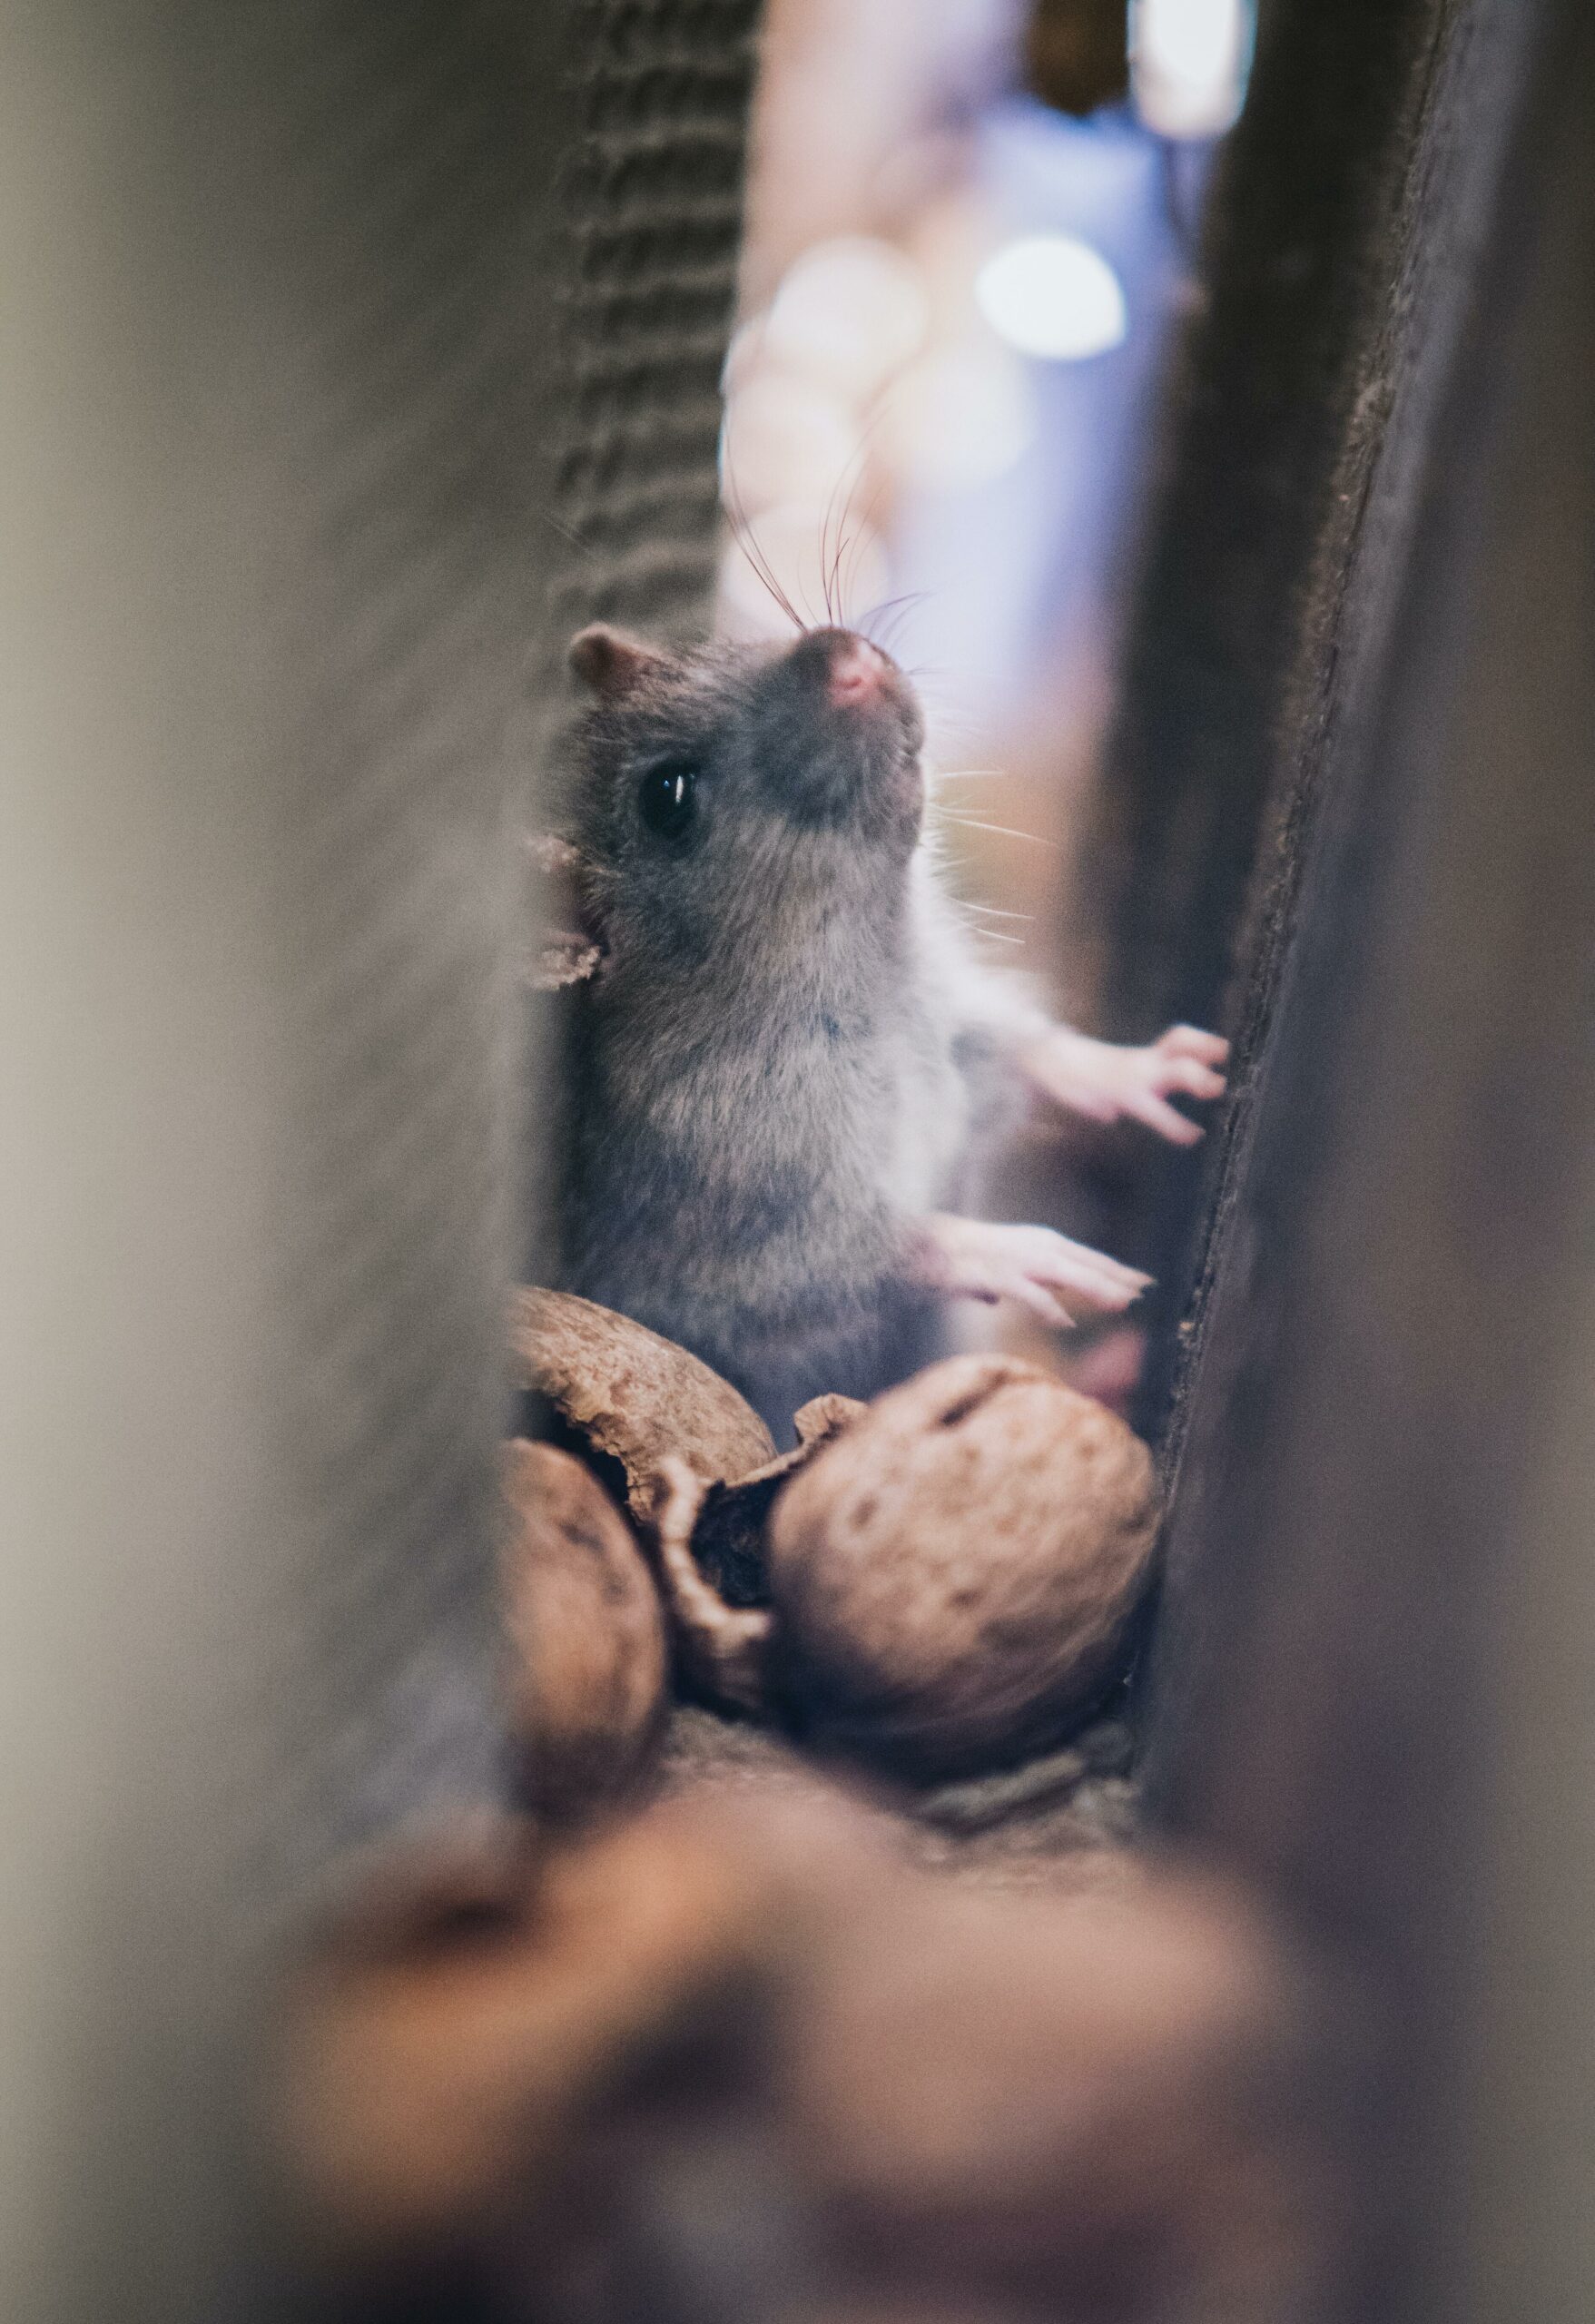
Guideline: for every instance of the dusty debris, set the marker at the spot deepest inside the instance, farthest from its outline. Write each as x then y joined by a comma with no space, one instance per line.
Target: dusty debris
980,1802
570,951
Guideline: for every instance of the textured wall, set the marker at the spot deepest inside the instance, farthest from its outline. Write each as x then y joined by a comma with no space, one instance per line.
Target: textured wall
309,377
271,392
654,203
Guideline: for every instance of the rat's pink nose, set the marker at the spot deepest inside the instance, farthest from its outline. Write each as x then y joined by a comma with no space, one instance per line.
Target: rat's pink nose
857,673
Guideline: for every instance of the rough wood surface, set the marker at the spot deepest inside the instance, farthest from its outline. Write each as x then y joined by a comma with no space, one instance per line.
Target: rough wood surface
1384,1352
1307,384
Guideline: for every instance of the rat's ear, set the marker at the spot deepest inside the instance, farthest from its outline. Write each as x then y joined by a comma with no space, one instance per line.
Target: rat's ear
610,662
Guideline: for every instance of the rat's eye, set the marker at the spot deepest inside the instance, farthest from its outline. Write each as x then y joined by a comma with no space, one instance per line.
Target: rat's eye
667,798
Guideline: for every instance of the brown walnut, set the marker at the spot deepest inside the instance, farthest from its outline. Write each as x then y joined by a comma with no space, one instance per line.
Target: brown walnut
1092,2105
589,1660
950,1578
450,2025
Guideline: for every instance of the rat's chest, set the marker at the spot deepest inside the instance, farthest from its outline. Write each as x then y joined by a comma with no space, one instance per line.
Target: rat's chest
799,1112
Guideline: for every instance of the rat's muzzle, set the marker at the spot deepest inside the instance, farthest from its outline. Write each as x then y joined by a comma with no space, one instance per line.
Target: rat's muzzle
859,675
852,675
850,730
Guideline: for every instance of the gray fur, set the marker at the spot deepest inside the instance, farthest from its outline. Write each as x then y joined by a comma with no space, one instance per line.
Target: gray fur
774,1071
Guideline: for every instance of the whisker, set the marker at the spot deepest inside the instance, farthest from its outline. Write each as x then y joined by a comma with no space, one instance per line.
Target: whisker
567,534
841,506
1003,831
827,567
889,604
757,564
867,526
887,637
844,543
900,609
758,557
743,534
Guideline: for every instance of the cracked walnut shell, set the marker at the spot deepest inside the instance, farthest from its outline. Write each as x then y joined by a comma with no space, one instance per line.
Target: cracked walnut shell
950,1578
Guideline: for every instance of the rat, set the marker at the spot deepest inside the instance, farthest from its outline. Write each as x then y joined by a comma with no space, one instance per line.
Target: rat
783,1055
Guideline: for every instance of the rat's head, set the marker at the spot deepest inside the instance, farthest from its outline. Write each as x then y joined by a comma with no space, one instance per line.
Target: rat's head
738,791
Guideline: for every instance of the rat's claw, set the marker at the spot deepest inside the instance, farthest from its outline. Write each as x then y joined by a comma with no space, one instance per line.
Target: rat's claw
1051,1258
1189,1041
1188,1074
1109,1293
1165,1120
1051,1312
1105,1083
1181,1062
974,1258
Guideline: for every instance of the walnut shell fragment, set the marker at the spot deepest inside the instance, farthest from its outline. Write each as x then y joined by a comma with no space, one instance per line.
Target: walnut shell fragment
728,1533
951,1579
589,1662
632,1395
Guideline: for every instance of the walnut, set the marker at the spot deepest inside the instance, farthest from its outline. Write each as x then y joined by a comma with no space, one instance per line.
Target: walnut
1083,2105
728,1533
589,1654
631,1395
458,2014
1079,2102
951,1579
452,2021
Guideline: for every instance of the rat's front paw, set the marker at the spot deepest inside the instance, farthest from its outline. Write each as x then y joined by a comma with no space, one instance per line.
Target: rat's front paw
1109,1084
969,1258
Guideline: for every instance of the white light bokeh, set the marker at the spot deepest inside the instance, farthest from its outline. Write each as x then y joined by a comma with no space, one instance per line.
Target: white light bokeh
959,419
1189,60
850,312
784,438
1052,295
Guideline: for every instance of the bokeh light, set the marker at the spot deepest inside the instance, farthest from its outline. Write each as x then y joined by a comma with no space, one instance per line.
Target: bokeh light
785,437
1052,295
959,418
1189,63
851,311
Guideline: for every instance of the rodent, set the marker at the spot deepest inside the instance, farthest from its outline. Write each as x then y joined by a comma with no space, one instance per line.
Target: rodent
781,1053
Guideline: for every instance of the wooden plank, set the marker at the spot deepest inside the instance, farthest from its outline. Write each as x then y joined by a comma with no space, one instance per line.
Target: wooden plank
1368,1558
1340,224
